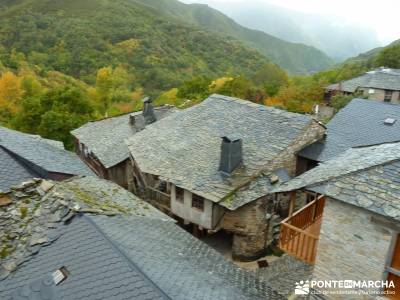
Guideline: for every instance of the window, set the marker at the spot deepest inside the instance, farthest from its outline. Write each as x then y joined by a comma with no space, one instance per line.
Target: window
371,91
388,96
198,202
393,267
179,194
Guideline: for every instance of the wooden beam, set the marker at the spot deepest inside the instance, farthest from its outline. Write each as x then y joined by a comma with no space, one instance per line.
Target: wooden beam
292,203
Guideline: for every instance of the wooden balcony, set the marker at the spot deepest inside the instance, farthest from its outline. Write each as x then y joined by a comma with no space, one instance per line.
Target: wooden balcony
300,232
158,198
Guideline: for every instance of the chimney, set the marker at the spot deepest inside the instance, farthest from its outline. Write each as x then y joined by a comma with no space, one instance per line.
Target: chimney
148,111
231,154
132,119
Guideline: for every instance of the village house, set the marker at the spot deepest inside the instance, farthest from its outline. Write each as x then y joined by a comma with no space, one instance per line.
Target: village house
100,144
361,123
351,230
379,85
212,166
88,238
24,156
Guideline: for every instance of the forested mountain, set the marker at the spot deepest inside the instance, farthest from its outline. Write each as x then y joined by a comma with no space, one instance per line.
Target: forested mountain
64,62
77,37
182,39
388,56
334,36
294,57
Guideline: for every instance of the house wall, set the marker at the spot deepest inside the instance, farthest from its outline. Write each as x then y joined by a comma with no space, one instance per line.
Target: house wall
119,173
288,158
352,245
379,95
90,159
185,210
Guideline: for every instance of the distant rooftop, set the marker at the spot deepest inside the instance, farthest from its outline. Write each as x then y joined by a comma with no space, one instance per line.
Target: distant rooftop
185,148
114,246
13,171
382,78
361,123
105,138
367,177
25,156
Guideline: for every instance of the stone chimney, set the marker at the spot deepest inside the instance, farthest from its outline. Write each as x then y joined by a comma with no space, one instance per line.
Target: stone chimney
231,154
148,111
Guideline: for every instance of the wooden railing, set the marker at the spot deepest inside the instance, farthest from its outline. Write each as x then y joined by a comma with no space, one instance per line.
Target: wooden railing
295,239
158,197
307,215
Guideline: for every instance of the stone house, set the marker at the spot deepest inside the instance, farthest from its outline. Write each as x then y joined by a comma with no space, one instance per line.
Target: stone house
100,144
24,156
213,166
88,238
361,123
379,85
351,231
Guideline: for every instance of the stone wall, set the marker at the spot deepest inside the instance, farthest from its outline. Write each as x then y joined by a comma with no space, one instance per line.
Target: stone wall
249,226
287,159
351,246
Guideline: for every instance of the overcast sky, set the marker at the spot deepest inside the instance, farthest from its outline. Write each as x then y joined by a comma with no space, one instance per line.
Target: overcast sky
381,15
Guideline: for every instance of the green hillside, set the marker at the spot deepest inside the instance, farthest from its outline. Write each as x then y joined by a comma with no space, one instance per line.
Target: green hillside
77,37
382,56
388,56
295,58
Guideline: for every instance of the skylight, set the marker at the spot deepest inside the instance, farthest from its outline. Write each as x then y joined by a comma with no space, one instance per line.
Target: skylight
389,121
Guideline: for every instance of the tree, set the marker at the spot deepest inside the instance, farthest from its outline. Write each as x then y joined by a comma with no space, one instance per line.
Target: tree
271,78
104,85
10,91
196,89
389,57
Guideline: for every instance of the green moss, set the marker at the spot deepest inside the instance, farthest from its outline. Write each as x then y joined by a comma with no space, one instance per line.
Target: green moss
106,205
24,212
6,251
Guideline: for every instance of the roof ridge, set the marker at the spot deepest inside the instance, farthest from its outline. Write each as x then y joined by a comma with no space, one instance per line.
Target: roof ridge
354,172
122,254
254,105
303,181
136,112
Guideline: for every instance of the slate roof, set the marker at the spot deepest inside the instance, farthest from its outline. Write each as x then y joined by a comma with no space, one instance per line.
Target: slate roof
282,274
185,148
360,123
386,79
180,264
41,153
12,171
105,138
367,177
113,253
97,270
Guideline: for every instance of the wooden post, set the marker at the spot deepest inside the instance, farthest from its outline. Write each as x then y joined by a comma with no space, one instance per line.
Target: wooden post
292,203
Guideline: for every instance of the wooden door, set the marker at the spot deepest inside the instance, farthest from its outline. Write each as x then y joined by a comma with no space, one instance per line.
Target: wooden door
394,270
